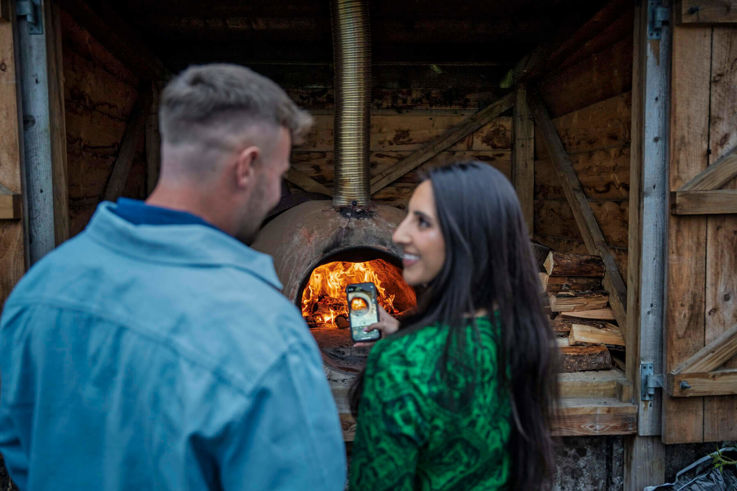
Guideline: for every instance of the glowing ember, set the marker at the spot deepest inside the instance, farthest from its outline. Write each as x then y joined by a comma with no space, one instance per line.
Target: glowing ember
323,299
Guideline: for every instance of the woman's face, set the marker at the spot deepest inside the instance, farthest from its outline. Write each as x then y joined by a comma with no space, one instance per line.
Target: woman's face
420,237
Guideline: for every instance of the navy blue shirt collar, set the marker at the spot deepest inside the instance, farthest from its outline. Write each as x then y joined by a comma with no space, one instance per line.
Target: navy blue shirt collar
139,213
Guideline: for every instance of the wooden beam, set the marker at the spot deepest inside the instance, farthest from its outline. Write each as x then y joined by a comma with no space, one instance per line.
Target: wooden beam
718,202
716,175
700,384
116,35
584,416
584,216
523,157
306,183
153,139
57,118
443,142
127,152
604,383
706,12
711,356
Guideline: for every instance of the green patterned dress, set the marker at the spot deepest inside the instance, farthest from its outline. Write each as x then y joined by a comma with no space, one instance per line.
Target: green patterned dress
411,435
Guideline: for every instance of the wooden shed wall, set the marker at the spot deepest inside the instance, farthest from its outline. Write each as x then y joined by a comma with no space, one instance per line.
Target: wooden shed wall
589,99
99,94
410,107
702,249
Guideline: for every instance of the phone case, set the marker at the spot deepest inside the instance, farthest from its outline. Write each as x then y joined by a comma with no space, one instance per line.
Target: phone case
363,310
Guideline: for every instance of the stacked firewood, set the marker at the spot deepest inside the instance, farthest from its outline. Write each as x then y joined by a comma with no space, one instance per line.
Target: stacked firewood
587,334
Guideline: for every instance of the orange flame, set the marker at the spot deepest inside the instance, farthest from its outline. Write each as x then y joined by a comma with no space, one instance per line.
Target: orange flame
324,299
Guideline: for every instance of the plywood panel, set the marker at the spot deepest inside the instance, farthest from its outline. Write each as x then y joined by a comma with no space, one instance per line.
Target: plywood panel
604,175
601,76
720,422
684,320
605,124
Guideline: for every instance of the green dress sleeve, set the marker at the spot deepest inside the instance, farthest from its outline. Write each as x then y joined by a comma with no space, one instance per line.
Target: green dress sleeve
391,423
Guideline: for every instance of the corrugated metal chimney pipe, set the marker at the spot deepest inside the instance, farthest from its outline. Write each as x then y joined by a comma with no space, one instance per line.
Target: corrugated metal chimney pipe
352,53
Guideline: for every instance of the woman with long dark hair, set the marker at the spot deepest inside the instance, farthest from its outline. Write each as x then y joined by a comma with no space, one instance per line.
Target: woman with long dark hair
462,395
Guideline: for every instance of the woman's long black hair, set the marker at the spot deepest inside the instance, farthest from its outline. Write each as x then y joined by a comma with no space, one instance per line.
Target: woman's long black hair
489,265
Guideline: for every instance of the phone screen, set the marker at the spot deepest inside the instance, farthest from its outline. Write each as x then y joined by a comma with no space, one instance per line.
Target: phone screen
363,310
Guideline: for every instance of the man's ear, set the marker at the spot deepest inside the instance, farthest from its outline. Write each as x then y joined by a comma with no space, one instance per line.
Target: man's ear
244,166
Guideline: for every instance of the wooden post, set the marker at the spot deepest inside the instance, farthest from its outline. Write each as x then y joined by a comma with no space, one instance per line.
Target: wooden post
644,456
523,157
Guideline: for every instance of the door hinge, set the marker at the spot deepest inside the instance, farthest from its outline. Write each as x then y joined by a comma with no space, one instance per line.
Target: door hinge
657,17
649,381
31,10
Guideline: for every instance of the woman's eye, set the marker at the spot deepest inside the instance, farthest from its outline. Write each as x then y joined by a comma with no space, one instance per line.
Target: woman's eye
422,222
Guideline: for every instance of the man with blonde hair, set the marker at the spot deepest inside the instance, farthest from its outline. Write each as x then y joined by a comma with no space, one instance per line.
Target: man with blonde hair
154,350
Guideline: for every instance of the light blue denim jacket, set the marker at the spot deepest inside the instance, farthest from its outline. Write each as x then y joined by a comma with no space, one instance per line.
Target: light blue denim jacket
162,357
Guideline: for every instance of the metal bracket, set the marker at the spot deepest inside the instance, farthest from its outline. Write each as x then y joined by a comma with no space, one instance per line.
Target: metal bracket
649,381
31,10
657,17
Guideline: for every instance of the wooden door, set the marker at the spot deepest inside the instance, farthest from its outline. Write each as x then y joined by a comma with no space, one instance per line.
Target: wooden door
13,258
699,401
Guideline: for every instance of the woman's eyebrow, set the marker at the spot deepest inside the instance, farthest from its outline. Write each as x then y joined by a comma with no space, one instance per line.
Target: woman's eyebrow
422,215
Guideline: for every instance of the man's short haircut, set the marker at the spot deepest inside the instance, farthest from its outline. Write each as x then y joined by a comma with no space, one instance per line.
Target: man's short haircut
227,97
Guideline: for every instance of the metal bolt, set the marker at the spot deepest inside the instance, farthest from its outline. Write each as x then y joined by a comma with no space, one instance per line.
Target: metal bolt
685,385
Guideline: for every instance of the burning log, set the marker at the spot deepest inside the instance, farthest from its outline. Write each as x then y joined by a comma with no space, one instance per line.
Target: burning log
561,264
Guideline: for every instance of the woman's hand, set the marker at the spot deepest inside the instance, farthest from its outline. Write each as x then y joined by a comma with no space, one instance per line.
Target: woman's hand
387,325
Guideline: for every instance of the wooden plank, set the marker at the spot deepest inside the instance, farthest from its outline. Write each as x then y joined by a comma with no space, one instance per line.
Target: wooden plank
305,182
562,264
153,139
717,202
10,206
523,157
692,12
686,269
573,301
711,356
720,310
582,334
127,152
57,126
583,358
599,314
582,416
117,36
716,175
604,383
13,255
587,224
701,384
470,124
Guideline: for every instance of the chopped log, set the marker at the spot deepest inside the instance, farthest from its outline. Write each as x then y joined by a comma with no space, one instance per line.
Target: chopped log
557,284
597,314
582,335
585,358
541,252
578,301
562,342
544,280
562,325
562,264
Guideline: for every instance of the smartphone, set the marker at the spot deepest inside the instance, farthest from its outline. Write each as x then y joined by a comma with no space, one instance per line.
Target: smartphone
363,310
